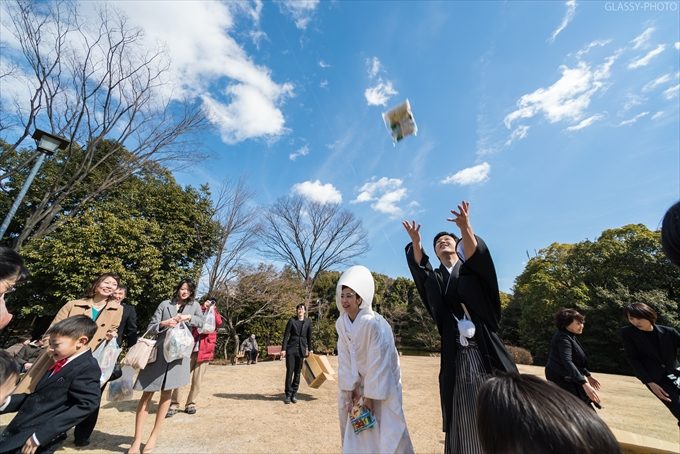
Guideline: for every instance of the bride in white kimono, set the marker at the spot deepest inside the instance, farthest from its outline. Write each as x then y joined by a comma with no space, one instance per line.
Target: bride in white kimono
368,367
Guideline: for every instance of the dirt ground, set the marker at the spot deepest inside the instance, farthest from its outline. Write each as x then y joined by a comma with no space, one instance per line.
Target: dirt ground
241,410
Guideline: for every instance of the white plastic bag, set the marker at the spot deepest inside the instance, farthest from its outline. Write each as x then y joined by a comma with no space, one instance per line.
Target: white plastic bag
121,389
209,325
178,342
106,355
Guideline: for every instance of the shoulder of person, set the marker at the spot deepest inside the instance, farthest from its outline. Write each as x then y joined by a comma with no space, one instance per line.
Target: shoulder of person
628,331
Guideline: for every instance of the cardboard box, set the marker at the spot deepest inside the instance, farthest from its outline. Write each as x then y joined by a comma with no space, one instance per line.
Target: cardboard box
326,365
315,371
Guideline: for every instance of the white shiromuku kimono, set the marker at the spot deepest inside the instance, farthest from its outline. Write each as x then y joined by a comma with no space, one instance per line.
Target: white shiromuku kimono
368,360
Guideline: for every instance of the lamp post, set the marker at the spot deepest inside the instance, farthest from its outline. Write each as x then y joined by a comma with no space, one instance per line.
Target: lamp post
47,145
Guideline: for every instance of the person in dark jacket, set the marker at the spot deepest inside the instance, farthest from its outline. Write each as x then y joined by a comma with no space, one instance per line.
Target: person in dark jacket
566,365
296,346
462,298
652,351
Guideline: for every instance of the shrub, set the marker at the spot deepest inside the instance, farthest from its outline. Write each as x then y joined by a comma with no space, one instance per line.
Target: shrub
520,355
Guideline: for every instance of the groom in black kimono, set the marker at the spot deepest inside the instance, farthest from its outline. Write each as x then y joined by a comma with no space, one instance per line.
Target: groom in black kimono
470,280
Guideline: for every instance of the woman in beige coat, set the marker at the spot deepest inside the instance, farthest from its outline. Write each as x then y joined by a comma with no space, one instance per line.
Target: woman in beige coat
96,304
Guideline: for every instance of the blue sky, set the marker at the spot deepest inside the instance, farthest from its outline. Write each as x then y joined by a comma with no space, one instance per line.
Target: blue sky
556,120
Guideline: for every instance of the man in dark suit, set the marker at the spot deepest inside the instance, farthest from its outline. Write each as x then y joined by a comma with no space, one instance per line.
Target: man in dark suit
64,396
297,345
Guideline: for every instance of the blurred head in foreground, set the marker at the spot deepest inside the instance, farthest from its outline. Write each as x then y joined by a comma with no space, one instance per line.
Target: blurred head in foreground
524,414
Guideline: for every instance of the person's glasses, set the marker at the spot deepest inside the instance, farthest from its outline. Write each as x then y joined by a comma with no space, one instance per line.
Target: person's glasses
348,295
10,288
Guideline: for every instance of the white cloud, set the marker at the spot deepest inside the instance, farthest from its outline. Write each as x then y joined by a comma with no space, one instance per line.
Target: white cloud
568,16
380,94
632,100
596,43
644,61
374,66
656,82
630,121
385,194
642,38
471,175
317,192
657,115
198,39
519,133
671,92
566,99
302,151
250,114
300,10
323,64
382,90
585,122
677,45
323,84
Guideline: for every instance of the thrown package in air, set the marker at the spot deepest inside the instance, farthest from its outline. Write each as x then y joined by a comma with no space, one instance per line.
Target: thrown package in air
400,122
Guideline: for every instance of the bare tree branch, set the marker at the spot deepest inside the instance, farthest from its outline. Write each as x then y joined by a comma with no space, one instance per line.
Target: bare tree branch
311,237
93,82
238,231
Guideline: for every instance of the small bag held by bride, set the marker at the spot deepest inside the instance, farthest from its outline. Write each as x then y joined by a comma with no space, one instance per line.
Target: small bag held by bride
361,417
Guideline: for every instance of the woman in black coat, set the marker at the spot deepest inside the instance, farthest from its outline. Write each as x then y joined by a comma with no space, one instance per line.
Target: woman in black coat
566,366
652,351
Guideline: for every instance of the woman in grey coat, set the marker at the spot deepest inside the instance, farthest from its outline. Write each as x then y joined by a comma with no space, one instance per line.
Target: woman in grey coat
161,375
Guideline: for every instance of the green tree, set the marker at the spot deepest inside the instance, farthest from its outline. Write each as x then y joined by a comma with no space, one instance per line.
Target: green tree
150,230
258,300
597,278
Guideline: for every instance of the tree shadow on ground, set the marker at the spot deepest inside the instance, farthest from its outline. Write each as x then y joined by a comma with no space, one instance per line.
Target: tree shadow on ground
126,406
266,397
102,440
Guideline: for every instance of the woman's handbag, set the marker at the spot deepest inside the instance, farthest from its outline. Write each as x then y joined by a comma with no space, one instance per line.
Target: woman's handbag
140,354
178,343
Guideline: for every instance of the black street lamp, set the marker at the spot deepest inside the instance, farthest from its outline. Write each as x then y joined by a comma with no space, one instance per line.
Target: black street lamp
47,145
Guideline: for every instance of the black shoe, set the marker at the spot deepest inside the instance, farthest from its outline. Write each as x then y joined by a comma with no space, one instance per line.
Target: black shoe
82,443
287,400
293,399
59,438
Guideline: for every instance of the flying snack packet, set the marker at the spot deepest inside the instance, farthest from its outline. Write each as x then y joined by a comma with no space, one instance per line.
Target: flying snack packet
400,122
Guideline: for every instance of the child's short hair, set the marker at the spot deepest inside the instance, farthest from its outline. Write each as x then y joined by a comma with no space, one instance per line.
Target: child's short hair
8,367
74,327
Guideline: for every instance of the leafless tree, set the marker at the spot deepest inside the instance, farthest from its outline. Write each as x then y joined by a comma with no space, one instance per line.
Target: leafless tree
254,293
237,232
311,237
92,81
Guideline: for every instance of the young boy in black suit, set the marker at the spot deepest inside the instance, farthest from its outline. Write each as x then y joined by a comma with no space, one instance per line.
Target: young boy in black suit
65,395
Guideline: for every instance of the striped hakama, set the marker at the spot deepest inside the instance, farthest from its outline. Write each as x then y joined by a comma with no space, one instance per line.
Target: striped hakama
470,375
